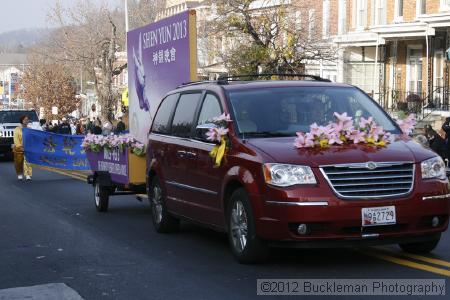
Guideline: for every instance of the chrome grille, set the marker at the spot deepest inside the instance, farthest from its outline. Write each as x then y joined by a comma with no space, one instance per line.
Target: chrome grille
7,133
370,180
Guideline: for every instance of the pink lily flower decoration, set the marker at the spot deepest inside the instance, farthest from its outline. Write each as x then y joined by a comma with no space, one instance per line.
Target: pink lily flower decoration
223,117
357,136
314,128
344,121
300,141
212,135
363,123
221,132
334,139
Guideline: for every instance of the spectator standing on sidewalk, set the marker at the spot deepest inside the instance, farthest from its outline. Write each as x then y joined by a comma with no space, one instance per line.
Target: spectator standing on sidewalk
97,129
120,128
64,128
446,129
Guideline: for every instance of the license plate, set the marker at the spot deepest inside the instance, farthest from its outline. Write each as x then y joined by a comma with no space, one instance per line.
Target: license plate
373,216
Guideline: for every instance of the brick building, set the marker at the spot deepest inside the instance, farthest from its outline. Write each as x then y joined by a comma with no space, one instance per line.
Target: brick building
320,18
395,49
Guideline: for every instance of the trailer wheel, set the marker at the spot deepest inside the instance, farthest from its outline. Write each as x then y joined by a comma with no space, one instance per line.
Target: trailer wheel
101,197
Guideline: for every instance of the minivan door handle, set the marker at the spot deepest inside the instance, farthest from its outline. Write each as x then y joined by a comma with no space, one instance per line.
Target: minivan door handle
181,153
191,154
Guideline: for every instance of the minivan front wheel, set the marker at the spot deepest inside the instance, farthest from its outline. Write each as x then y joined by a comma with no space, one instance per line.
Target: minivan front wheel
162,220
244,243
421,247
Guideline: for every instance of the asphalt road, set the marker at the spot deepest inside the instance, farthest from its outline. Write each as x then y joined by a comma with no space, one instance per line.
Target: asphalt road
50,232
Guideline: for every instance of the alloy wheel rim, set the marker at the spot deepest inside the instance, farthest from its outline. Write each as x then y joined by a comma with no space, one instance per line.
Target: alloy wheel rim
157,204
97,194
239,226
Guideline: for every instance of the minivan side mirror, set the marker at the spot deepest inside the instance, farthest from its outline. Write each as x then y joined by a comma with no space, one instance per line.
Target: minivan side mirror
202,129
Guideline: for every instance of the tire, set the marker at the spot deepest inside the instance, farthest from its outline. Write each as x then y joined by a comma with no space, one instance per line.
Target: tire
101,197
421,247
162,220
245,245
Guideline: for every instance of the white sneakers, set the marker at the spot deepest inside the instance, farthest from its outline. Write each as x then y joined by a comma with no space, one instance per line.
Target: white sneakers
28,177
20,177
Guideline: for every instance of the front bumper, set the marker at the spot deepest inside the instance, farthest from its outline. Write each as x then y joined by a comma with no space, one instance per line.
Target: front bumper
330,219
6,144
355,242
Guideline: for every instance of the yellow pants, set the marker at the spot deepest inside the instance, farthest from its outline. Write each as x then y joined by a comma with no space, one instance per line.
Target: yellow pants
21,165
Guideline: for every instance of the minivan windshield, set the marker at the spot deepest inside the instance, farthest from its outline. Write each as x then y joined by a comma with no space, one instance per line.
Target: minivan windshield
284,111
13,116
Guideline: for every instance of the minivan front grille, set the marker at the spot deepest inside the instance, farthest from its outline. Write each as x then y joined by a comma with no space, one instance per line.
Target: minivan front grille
370,180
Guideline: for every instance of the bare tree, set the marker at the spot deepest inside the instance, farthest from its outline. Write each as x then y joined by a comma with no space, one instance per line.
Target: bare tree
88,39
143,12
47,84
270,36
91,35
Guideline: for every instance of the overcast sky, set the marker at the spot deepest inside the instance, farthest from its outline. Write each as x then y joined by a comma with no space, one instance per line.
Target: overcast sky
19,14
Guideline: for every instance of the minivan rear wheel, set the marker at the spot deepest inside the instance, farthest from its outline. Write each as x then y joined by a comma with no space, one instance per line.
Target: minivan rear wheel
162,220
421,247
246,246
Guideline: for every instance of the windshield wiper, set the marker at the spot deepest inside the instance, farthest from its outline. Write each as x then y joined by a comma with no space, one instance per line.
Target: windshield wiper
267,133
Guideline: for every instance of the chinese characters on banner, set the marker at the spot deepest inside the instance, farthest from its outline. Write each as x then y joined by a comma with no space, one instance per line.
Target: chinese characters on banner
161,56
55,150
164,56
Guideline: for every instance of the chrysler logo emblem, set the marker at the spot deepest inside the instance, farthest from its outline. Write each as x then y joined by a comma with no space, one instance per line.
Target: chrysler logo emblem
371,165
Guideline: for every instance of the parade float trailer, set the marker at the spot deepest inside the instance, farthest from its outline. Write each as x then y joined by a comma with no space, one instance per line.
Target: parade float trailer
161,56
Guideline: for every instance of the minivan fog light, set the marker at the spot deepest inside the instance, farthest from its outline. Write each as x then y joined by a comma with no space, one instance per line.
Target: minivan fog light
435,221
302,229
284,175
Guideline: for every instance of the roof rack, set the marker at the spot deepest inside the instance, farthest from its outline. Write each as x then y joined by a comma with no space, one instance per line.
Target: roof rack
196,83
226,79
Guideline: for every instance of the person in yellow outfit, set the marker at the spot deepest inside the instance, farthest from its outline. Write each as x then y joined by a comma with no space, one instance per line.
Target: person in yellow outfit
22,167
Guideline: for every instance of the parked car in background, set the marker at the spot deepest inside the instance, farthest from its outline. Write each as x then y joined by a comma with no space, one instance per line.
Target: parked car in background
9,120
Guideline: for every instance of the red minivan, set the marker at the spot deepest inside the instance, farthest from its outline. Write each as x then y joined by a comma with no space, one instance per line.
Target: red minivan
269,193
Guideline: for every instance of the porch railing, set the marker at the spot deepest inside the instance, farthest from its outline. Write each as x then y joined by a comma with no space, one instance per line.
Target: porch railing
422,104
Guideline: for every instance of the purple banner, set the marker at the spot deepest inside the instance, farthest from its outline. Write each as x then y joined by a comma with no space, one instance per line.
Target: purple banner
161,56
113,161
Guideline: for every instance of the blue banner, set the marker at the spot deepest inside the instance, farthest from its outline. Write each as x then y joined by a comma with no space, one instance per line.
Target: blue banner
55,150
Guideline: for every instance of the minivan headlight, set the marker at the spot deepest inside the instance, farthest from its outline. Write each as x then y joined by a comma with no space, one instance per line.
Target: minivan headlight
433,168
284,175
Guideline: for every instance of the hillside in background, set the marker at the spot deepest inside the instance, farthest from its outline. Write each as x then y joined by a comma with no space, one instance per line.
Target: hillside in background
18,41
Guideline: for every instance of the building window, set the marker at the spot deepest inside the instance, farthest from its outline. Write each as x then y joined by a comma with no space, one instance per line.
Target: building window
445,4
361,14
312,23
414,70
342,15
379,12
326,19
398,10
298,20
421,7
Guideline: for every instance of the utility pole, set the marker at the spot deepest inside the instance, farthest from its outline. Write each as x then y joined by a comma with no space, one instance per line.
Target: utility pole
81,81
126,17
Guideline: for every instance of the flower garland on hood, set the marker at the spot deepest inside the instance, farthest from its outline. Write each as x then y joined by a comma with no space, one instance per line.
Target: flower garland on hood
96,143
344,131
